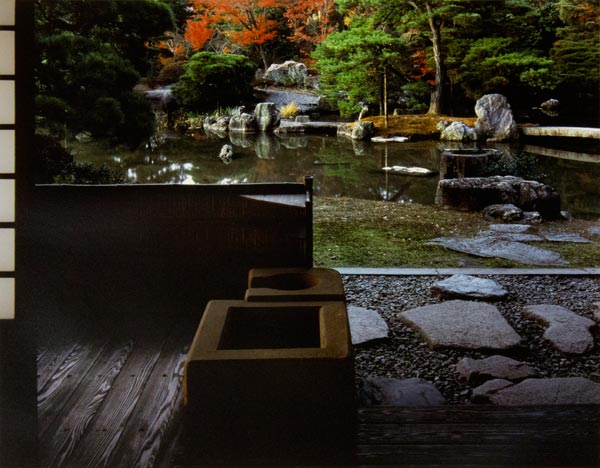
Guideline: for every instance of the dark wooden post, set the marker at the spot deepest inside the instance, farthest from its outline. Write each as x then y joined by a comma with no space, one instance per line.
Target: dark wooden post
308,183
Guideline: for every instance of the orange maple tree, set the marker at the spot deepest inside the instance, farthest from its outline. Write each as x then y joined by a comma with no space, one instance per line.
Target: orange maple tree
199,29
311,22
245,22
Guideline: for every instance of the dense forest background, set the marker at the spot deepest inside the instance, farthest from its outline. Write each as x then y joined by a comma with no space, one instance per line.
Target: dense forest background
416,56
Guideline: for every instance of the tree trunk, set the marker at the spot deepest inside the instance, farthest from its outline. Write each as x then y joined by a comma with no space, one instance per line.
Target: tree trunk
435,104
263,55
385,97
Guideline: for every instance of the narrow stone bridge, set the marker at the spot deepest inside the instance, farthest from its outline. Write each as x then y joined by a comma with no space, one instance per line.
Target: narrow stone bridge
563,132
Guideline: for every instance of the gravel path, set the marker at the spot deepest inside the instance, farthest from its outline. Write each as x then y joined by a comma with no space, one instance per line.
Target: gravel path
404,354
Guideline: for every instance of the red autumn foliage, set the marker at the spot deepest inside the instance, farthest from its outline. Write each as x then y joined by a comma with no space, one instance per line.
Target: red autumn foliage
249,20
310,21
199,29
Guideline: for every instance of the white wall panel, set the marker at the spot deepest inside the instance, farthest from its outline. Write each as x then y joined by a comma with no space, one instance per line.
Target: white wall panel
7,56
7,102
7,201
7,151
7,250
7,12
7,298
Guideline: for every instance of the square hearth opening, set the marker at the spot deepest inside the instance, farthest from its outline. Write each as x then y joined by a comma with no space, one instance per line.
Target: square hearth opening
271,328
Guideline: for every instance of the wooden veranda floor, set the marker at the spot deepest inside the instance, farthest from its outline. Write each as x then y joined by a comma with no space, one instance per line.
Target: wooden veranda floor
115,400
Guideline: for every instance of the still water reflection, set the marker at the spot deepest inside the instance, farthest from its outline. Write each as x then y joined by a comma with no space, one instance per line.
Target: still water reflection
341,168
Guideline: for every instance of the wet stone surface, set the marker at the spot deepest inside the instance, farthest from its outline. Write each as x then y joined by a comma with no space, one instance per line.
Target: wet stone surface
404,354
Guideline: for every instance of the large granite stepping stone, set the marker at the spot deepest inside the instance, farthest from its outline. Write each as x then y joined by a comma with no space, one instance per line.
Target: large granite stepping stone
476,371
462,324
383,391
490,246
366,325
554,391
567,331
469,287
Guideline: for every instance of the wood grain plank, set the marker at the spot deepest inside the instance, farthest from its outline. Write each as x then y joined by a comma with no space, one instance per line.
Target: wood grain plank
480,414
55,393
480,455
169,451
102,436
142,438
485,434
49,360
57,445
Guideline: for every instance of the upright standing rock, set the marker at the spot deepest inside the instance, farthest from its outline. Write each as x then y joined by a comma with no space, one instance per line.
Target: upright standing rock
495,119
267,116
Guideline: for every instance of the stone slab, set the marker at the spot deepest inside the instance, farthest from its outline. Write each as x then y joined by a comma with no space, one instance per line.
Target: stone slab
567,331
481,393
553,391
383,391
492,247
510,228
574,237
511,236
469,287
462,324
366,325
476,371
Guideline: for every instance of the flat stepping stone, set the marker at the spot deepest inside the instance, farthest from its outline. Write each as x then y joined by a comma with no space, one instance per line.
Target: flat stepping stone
575,237
567,331
554,391
489,246
384,391
482,393
594,230
511,236
477,371
469,287
510,228
366,325
462,324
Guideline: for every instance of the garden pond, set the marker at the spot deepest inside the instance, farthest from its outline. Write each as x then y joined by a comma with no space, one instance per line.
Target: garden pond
341,167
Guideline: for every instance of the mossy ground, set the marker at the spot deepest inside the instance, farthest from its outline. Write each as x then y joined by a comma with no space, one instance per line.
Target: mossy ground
416,126
352,232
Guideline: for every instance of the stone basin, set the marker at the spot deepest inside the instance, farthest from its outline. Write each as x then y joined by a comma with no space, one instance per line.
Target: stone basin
460,163
266,378
294,284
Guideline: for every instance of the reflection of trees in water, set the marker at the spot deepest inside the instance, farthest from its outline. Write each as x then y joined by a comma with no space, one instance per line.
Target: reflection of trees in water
577,183
340,166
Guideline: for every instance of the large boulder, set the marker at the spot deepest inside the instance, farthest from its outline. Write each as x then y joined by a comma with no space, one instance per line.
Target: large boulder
458,131
243,123
357,130
217,126
267,116
495,119
386,391
288,73
475,193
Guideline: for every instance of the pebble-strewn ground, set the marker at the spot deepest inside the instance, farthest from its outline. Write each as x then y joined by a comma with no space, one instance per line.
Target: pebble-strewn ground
404,354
